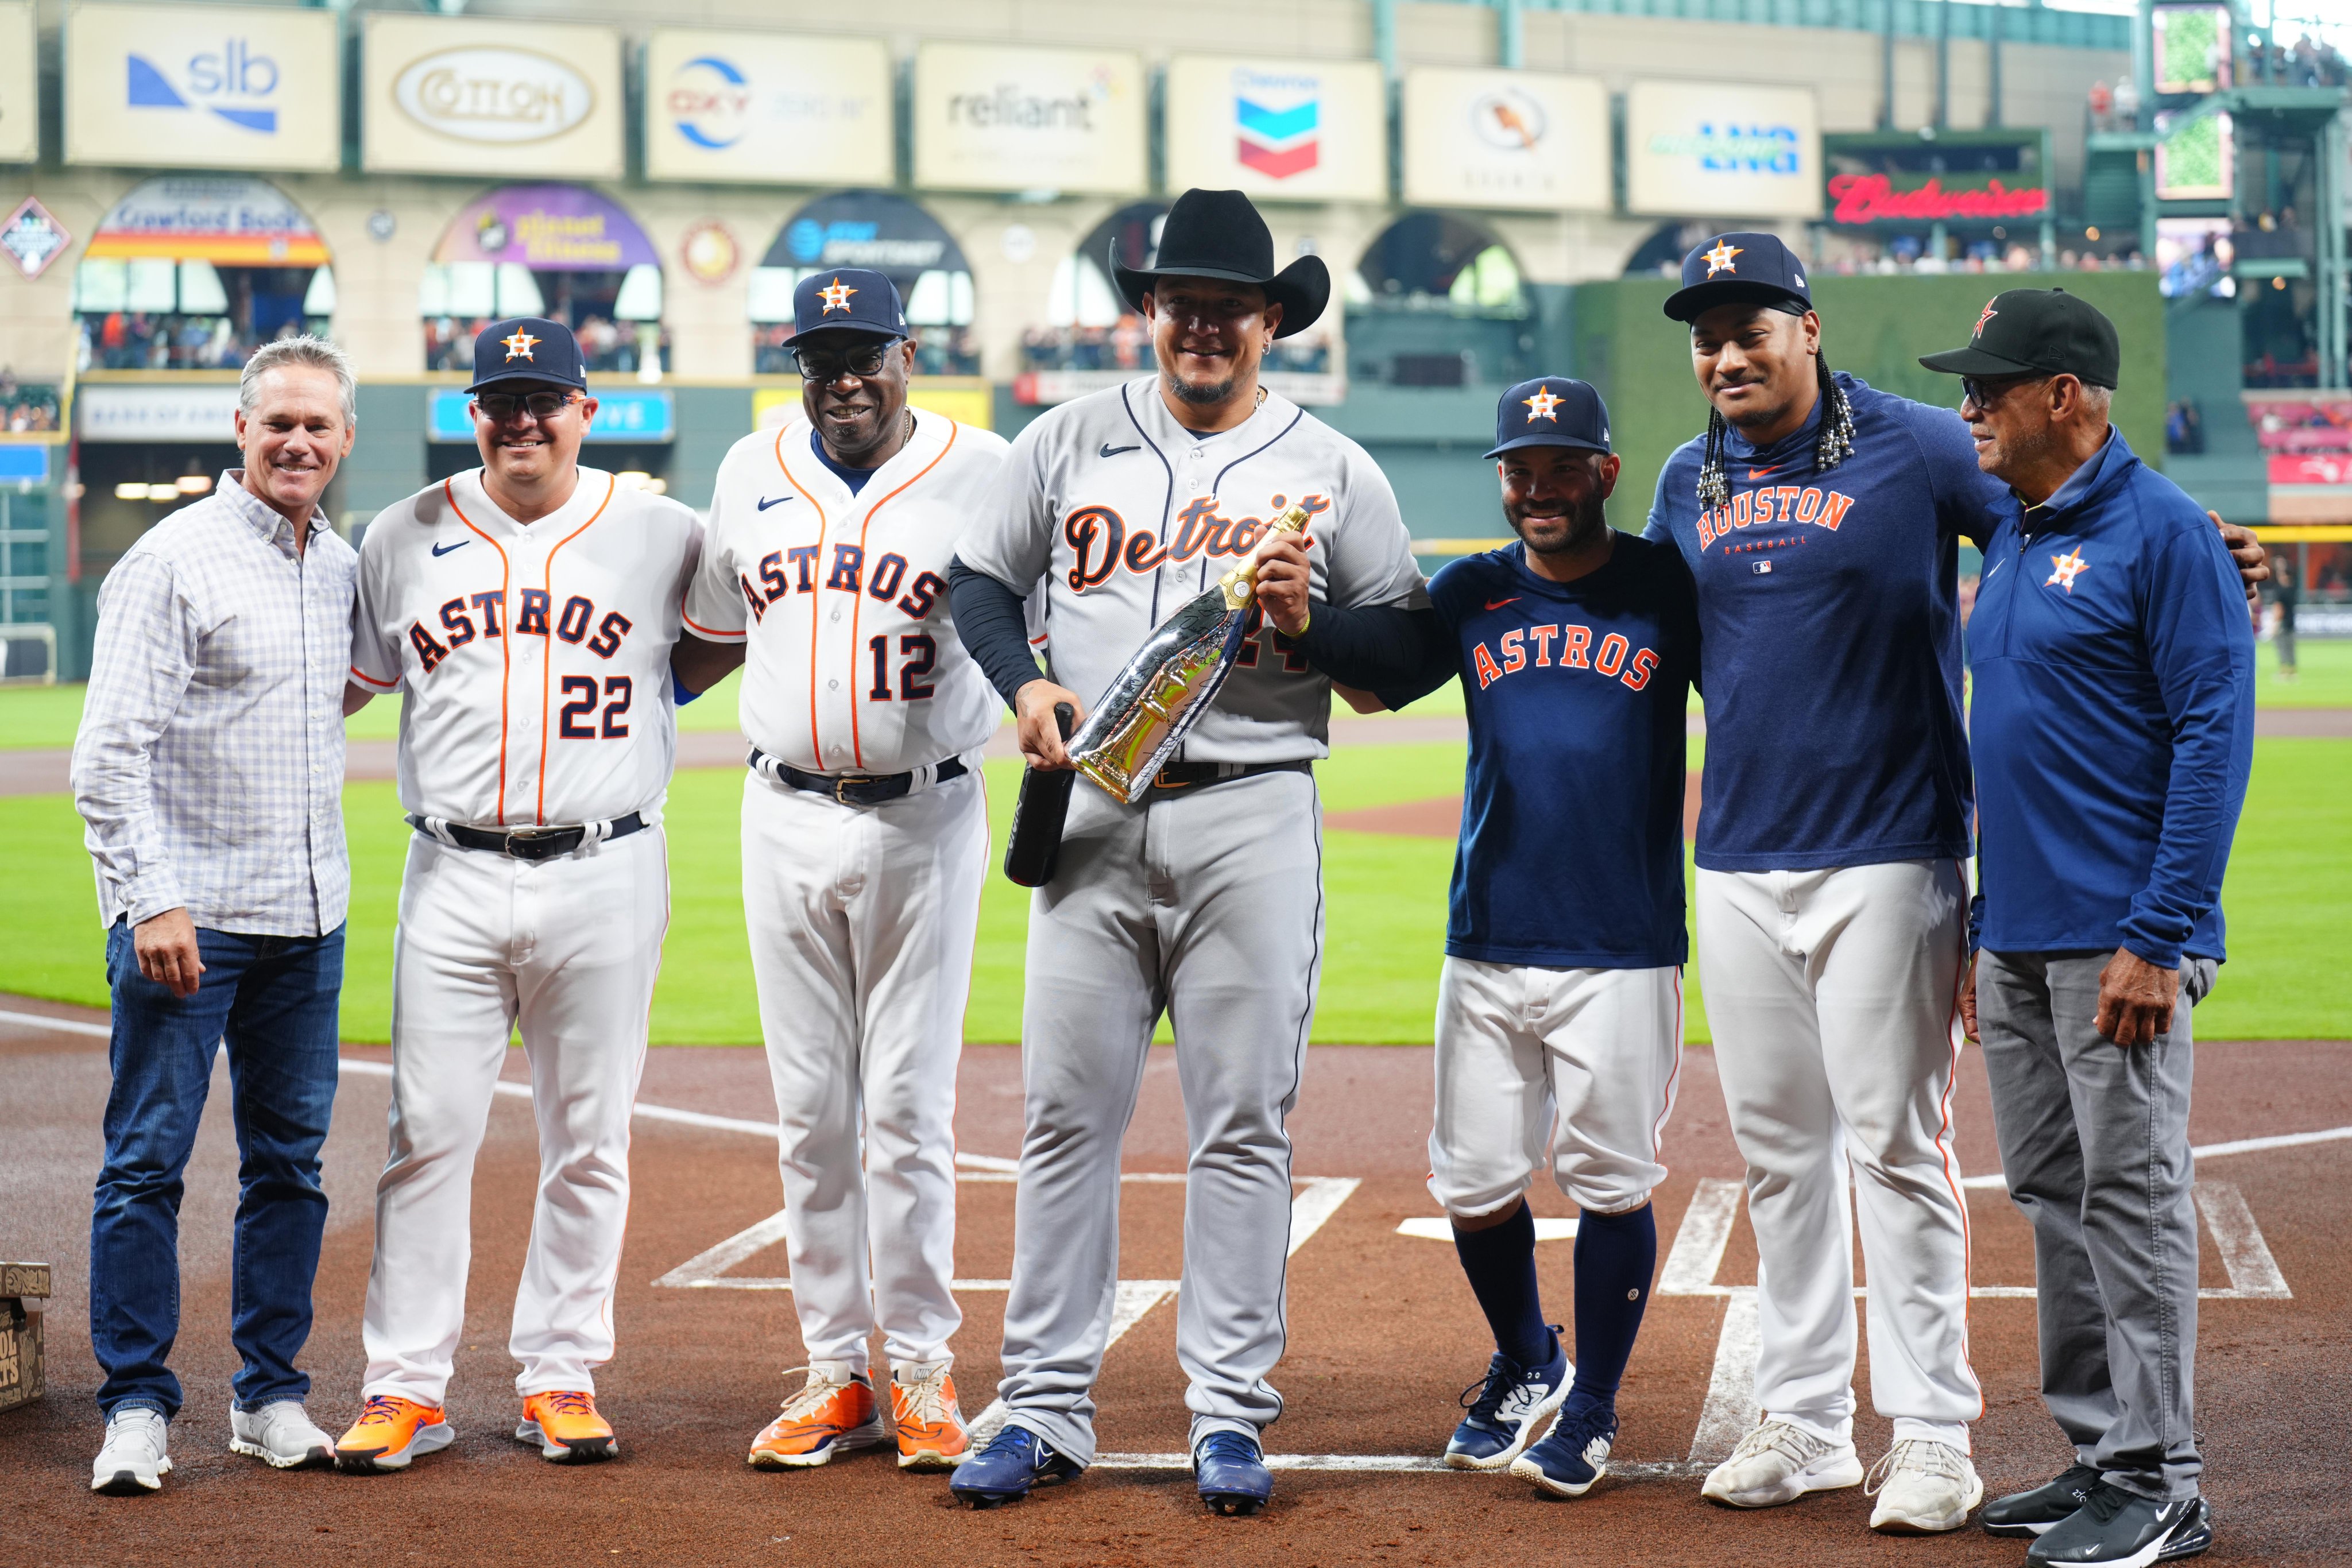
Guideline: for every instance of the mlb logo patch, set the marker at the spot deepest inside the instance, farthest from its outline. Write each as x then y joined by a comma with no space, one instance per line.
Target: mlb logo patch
1760,567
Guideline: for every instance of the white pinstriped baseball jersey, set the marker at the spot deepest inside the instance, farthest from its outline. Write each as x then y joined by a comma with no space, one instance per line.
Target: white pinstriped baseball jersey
852,664
535,657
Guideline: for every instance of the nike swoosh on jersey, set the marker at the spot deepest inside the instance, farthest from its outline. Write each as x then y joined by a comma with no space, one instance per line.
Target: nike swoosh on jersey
1498,604
1110,451
766,502
445,550
1765,473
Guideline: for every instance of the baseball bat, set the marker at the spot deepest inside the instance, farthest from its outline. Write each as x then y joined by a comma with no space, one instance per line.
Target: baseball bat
1037,841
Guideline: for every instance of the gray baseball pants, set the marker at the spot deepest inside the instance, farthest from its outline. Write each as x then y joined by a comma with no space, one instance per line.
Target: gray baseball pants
1208,905
2094,1142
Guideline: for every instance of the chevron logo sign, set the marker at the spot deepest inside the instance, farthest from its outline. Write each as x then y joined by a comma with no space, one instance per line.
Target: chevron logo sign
1278,116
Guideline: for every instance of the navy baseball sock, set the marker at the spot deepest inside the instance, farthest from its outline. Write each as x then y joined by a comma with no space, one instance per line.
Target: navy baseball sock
1501,1263
1616,1255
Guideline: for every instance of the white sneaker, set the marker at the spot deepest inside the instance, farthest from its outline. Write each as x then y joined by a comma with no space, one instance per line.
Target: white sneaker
1780,1463
1922,1487
136,1456
280,1434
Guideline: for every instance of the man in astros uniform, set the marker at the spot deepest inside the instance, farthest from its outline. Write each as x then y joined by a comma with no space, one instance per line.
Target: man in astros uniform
865,849
527,610
1203,901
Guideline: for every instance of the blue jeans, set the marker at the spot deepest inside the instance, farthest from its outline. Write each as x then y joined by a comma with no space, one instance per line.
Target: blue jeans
275,1000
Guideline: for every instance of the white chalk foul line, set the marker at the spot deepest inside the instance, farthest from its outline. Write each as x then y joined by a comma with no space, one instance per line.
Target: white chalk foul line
1392,1464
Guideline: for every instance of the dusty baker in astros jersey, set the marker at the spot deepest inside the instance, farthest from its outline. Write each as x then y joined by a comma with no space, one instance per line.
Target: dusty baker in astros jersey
864,847
527,609
1203,902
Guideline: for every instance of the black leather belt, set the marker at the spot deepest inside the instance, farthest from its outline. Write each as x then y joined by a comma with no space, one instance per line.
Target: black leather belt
1178,775
852,788
527,843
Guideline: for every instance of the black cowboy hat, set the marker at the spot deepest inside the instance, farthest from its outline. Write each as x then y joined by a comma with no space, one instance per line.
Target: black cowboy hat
1218,233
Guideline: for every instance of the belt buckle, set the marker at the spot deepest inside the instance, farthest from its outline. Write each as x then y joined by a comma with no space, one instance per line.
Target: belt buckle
523,843
844,783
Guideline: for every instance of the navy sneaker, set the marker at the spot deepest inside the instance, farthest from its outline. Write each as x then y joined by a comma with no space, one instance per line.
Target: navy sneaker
2116,1529
1507,1408
1014,1461
1230,1469
1573,1454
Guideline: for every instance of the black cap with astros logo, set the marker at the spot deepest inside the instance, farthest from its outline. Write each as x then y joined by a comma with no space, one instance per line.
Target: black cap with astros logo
2037,331
528,348
1740,269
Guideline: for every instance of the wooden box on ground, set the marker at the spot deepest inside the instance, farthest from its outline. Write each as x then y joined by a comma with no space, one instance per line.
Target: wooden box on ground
23,1293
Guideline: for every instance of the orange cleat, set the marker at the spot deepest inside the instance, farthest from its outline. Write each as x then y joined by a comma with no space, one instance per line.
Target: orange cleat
824,1418
390,1432
565,1426
929,1423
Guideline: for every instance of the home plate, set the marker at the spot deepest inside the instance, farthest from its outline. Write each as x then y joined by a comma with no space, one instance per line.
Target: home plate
1440,1229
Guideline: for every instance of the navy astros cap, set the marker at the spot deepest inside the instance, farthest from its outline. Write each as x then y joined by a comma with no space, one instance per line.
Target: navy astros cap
1550,410
2027,330
1739,269
528,348
854,297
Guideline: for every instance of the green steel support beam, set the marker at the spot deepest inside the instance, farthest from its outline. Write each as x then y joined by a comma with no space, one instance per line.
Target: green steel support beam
1511,35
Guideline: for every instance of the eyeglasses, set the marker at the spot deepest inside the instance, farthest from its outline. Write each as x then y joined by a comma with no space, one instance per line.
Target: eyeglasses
1985,393
824,365
500,407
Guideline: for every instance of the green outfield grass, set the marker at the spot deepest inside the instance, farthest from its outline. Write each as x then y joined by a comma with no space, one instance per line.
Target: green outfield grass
2289,901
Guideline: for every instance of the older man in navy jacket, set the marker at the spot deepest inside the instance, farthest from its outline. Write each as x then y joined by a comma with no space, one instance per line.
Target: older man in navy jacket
2113,730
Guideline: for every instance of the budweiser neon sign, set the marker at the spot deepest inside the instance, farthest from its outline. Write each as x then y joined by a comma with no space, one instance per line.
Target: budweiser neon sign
1873,198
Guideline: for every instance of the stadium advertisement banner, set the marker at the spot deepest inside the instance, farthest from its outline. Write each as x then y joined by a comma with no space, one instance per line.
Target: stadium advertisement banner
451,95
1717,149
205,413
229,220
769,107
203,86
1960,177
1299,130
548,228
1506,139
991,118
20,84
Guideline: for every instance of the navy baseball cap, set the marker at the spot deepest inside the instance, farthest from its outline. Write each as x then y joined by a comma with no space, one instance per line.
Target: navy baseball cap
1550,410
857,298
528,348
1740,268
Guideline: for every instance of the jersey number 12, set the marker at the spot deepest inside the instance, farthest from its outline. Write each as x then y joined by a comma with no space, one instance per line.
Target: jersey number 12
920,653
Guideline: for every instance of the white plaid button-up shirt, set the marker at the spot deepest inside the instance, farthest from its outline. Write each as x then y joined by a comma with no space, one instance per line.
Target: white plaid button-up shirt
209,766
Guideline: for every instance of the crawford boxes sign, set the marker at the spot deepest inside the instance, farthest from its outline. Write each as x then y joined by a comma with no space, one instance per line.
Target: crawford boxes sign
989,119
203,86
463,96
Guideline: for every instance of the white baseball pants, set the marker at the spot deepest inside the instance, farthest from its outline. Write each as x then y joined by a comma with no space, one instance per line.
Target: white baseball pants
1573,1065
862,921
566,950
1833,998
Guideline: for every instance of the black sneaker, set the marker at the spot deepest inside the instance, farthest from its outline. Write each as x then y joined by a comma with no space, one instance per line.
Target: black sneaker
2193,1538
2116,1529
2028,1514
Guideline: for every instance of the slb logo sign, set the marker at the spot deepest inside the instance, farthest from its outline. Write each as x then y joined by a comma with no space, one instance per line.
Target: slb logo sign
203,86
501,96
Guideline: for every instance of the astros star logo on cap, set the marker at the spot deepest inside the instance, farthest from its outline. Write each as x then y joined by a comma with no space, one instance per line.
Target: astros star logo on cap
1989,314
519,344
1719,258
836,296
1540,406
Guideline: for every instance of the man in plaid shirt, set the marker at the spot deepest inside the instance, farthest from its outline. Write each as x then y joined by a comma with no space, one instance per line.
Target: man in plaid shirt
209,769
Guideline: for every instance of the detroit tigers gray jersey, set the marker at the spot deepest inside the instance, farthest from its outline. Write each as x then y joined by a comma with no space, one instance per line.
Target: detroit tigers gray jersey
1124,515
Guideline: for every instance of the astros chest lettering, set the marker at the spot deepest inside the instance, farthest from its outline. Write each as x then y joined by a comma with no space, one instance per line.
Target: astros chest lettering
467,605
804,564
1524,641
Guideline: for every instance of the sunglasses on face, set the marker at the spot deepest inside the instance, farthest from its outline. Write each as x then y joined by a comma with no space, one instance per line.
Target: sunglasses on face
500,407
825,364
1985,393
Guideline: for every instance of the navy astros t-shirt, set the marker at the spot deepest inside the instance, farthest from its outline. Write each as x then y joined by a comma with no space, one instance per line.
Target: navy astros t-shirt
1829,609
1572,850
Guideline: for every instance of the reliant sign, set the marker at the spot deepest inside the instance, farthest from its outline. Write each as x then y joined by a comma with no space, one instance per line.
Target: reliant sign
1292,131
440,92
20,85
1704,150
769,107
1515,139
988,119
203,86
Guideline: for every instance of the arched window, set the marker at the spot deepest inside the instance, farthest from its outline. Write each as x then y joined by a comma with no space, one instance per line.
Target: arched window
1088,327
565,252
895,237
195,273
1437,300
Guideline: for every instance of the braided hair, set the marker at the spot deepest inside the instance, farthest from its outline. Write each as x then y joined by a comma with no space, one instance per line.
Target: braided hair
1830,448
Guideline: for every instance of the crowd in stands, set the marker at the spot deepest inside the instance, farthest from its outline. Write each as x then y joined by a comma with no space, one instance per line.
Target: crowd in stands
137,340
24,406
610,346
2312,62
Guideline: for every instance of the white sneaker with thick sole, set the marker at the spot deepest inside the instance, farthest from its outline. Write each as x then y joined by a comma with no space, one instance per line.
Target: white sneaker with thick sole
136,1456
1924,1487
1779,1463
280,1434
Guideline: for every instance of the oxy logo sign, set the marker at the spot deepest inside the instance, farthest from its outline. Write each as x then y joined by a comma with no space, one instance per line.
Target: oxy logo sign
492,93
1509,120
233,82
710,102
1278,117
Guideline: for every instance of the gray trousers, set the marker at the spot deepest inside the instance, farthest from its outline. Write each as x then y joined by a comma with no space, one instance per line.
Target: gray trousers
2094,1142
1208,905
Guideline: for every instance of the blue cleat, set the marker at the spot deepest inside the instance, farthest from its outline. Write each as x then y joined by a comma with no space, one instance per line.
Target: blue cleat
1573,1454
1014,1461
1506,1409
1232,1473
